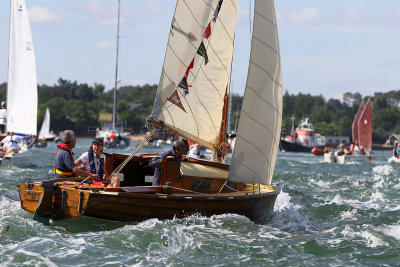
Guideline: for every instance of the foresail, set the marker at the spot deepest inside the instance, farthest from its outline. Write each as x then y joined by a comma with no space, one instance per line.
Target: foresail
194,78
365,126
45,129
22,84
354,126
259,128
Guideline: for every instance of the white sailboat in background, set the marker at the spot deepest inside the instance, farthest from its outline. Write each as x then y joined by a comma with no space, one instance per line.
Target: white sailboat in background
45,132
22,85
113,135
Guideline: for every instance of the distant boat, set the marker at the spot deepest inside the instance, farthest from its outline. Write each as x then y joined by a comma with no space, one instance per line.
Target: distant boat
303,139
45,132
362,136
22,85
189,102
113,135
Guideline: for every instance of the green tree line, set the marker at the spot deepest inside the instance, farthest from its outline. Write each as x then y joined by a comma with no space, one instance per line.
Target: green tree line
79,106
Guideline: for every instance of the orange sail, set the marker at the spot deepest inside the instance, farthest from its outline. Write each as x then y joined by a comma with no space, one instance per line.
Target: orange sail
365,127
354,126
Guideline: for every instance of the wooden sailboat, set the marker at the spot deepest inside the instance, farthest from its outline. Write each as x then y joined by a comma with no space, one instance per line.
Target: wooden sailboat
190,102
362,136
22,84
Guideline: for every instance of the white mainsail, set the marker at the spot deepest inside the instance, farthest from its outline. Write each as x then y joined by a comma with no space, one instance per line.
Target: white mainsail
22,84
259,128
194,78
45,129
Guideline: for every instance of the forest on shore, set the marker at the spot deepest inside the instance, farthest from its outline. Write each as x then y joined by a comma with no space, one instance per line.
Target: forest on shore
80,106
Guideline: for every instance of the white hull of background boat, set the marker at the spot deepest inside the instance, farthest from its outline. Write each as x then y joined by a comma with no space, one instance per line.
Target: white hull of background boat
393,160
21,159
330,157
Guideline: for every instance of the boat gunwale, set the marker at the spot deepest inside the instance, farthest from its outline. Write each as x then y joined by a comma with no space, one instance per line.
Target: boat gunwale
196,196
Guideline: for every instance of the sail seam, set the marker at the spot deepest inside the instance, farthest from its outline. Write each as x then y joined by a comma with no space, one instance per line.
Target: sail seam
267,19
267,45
248,168
265,101
256,148
194,18
267,73
216,55
223,26
261,124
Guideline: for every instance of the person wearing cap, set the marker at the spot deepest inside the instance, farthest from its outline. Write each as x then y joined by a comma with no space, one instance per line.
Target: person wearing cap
3,118
93,162
64,165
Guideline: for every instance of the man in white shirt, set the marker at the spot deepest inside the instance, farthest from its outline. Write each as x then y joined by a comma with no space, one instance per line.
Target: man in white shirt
11,142
3,118
195,151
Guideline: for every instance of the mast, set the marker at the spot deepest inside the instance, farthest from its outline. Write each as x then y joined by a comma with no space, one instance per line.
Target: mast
116,74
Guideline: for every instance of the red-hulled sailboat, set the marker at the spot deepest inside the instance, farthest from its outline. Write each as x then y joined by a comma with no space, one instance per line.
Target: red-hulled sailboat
362,138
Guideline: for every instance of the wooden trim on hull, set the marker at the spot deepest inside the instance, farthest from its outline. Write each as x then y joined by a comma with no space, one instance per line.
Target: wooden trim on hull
127,206
139,207
194,186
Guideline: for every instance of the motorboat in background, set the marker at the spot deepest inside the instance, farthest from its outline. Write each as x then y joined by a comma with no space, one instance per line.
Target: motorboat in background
22,97
303,139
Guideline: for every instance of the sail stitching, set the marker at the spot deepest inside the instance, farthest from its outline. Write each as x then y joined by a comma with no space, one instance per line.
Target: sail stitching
264,43
262,154
267,73
265,101
260,123
267,19
190,10
248,168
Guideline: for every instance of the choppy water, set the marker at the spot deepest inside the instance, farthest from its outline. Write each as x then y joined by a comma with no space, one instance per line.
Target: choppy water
326,215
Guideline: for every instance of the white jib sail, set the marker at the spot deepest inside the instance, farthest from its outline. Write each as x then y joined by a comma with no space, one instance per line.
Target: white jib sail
200,120
259,128
45,129
22,84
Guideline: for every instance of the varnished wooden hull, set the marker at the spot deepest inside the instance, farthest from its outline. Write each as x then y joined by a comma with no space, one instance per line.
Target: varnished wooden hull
138,207
182,193
126,206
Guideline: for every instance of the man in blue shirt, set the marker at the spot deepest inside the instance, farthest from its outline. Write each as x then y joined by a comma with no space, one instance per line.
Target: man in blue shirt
64,162
180,148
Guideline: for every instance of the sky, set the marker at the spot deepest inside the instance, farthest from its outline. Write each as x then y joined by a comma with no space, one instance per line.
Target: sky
328,47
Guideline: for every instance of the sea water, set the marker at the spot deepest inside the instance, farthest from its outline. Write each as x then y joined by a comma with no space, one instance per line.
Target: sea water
326,215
